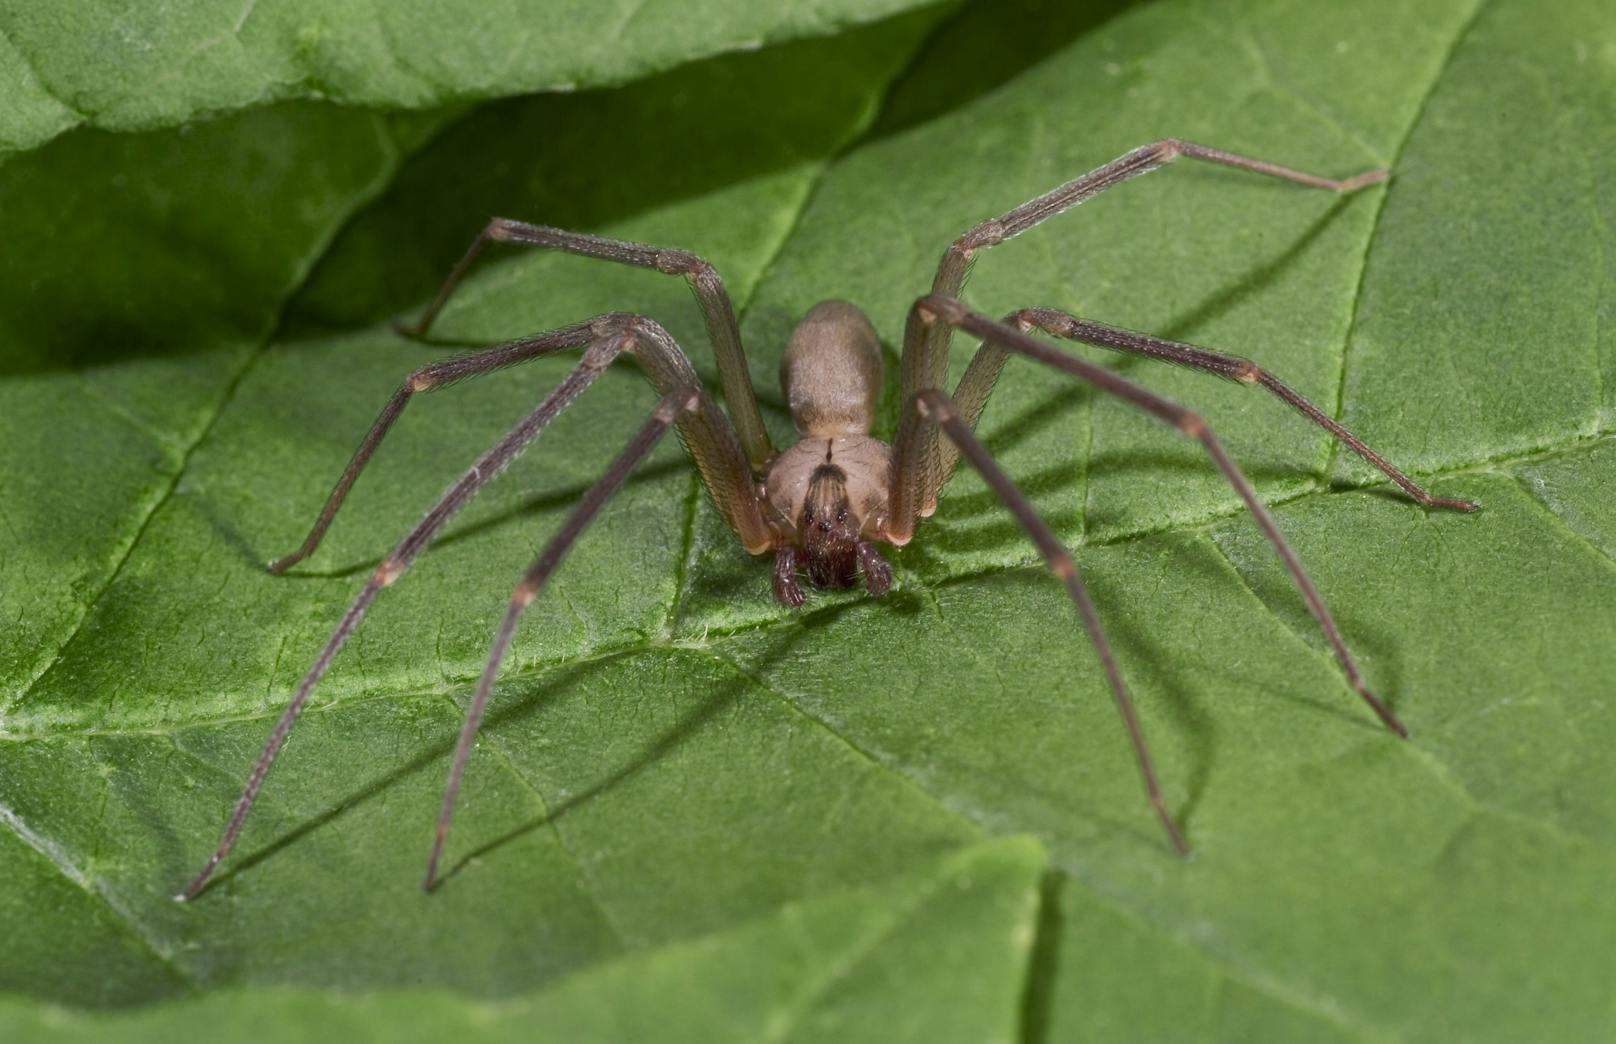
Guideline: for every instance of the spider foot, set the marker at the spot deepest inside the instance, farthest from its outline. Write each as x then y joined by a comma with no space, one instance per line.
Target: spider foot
415,330
1382,711
1368,177
877,573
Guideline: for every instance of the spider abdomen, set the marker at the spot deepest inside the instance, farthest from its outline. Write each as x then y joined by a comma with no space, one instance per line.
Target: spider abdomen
831,372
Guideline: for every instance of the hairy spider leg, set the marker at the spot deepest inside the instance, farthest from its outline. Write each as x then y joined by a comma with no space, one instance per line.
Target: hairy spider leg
982,373
1062,324
427,378
716,308
705,428
937,406
925,361
686,400
904,501
711,441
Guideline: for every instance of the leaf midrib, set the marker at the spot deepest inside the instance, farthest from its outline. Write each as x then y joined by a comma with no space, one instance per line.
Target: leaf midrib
707,636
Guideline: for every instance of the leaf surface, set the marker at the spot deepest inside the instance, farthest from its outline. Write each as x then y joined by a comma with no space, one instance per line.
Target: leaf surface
675,766
132,66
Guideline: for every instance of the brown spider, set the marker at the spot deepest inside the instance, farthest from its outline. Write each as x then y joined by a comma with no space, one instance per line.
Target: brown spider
837,492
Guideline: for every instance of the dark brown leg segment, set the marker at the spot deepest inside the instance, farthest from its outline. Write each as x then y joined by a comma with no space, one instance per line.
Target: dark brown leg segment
667,411
904,500
939,408
716,308
925,352
877,573
786,589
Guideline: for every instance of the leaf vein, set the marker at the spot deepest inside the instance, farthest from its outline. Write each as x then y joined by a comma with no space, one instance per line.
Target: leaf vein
1560,522
585,884
895,773
62,862
1380,211
709,635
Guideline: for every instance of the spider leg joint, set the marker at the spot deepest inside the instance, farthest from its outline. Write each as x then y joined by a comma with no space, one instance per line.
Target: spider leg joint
934,306
934,407
389,570
988,233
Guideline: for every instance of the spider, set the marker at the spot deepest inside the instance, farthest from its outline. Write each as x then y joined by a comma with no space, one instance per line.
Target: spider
823,504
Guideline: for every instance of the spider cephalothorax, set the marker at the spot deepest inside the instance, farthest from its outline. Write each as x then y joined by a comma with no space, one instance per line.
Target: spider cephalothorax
837,491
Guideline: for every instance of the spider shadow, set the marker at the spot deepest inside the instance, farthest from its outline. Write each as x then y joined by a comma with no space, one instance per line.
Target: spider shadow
534,504
554,685
1255,280
542,692
1156,680
1043,963
1367,635
978,520
716,702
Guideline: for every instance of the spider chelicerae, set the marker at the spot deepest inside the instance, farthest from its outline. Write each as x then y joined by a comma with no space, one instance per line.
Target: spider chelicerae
821,505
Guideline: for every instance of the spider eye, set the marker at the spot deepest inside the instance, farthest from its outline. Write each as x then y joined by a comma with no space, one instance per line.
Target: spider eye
841,516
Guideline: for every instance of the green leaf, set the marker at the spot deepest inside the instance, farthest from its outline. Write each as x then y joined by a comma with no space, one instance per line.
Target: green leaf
831,967
690,802
132,66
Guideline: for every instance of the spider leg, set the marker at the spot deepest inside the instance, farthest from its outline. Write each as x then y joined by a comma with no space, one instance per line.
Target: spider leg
429,377
903,501
971,394
713,444
940,408
925,352
600,353
686,400
707,435
716,308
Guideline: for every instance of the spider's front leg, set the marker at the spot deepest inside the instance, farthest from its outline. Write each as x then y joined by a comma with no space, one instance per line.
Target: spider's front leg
925,351
684,403
935,309
935,407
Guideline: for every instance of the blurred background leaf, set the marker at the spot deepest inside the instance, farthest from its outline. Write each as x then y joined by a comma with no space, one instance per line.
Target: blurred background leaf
123,65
